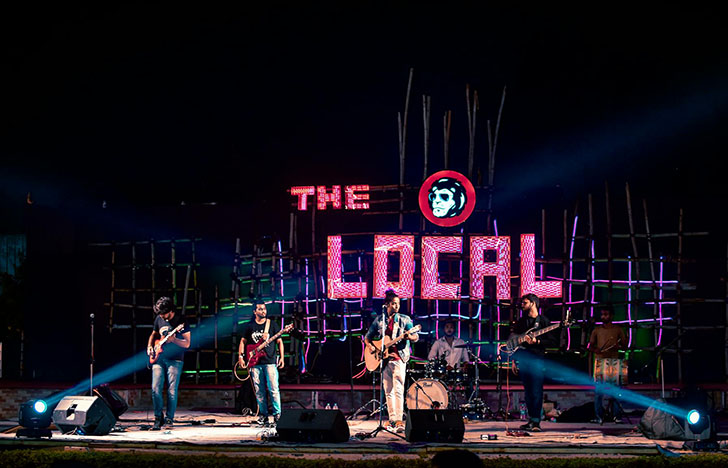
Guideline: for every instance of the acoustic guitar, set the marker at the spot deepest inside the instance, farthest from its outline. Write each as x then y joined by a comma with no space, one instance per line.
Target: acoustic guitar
373,358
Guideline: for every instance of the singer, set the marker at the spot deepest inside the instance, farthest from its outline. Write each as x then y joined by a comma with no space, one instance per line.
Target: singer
392,324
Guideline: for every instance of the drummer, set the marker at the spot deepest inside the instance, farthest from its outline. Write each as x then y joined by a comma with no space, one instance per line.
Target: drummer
450,347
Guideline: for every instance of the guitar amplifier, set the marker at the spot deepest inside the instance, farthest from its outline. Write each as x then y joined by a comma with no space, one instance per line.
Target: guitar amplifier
89,414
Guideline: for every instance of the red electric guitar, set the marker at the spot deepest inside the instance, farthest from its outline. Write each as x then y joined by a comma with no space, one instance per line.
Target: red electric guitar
157,346
254,352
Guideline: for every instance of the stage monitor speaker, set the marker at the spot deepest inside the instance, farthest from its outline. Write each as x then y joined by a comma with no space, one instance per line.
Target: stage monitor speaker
429,425
117,404
304,425
89,414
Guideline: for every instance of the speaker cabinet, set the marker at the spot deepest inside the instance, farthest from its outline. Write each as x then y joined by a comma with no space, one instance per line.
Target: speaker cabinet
90,414
312,426
429,425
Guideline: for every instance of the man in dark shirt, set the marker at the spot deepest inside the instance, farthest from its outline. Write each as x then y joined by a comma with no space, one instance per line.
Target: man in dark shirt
530,359
170,359
265,372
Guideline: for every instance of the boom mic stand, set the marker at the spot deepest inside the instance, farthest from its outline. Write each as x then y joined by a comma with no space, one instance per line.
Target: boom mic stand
381,427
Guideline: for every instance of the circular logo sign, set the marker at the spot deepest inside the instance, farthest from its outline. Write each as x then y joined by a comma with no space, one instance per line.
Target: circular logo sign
447,198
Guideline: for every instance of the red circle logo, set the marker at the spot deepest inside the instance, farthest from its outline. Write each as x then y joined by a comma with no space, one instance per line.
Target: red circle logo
447,198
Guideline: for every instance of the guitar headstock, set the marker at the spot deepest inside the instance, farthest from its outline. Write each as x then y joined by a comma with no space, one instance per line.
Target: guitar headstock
287,328
568,320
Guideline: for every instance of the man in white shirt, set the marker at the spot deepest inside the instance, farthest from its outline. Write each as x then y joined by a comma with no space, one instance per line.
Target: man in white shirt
445,346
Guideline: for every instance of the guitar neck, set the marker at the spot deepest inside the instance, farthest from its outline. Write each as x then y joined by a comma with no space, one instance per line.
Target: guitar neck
546,330
404,335
270,340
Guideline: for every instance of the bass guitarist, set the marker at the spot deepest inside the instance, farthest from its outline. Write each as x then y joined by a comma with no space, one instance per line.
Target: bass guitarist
265,371
530,358
168,359
392,324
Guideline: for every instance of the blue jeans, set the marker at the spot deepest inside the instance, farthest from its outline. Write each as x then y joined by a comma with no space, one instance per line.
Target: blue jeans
532,376
265,381
173,372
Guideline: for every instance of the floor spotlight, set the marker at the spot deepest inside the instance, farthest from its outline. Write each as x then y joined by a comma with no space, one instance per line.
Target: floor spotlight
35,418
697,425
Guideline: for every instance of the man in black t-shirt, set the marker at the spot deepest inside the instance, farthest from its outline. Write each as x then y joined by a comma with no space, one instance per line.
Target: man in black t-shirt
169,359
265,372
530,359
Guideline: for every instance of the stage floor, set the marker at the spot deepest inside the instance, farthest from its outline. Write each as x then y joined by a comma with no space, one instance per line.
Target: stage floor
204,432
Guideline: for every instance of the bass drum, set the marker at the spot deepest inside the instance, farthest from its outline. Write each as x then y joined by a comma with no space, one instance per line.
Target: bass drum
427,394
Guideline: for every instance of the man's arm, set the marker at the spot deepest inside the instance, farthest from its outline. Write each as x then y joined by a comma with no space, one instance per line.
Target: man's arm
411,336
622,344
373,330
150,342
183,340
281,360
241,352
435,350
592,346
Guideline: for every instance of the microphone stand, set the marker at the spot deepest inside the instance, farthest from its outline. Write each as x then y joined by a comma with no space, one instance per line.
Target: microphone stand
91,363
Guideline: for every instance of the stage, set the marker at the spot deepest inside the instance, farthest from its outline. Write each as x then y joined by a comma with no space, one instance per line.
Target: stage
206,432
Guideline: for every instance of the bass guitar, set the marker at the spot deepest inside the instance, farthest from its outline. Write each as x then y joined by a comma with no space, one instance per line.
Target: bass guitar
157,346
373,358
515,342
254,352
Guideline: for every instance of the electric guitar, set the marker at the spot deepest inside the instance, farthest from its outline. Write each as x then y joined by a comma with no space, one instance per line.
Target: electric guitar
515,342
157,346
254,352
373,358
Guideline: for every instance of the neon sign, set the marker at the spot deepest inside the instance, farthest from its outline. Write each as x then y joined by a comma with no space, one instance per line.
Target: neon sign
432,288
355,196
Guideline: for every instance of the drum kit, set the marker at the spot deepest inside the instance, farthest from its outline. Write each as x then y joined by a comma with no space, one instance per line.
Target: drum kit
439,386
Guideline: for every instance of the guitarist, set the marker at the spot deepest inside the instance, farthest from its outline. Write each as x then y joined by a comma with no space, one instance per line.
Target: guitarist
265,372
170,360
392,324
530,359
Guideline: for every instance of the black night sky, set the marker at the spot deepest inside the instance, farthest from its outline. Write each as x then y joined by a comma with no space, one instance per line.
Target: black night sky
148,106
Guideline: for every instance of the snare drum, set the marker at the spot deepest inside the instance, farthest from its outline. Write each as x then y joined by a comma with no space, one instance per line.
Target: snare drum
427,394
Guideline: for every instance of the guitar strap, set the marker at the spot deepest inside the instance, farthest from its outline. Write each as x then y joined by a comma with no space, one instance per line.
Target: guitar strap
267,326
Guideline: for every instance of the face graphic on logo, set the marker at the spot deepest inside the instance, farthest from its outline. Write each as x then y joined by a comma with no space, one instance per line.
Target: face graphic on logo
447,198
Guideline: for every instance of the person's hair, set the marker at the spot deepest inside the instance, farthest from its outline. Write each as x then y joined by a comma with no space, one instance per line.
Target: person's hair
163,305
389,296
257,302
531,297
609,309
449,320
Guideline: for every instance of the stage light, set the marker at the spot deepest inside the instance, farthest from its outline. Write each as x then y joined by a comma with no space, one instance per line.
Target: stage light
40,406
693,417
34,418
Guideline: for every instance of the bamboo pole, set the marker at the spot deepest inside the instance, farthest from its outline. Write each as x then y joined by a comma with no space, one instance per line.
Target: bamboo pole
133,307
491,155
655,292
472,109
402,146
446,125
678,297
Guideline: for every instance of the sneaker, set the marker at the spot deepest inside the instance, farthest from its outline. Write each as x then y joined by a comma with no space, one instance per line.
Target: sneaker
169,422
597,421
392,424
158,422
399,427
276,417
617,421
531,426
262,420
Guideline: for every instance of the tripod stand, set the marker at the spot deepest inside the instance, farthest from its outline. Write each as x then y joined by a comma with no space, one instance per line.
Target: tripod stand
377,405
474,401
